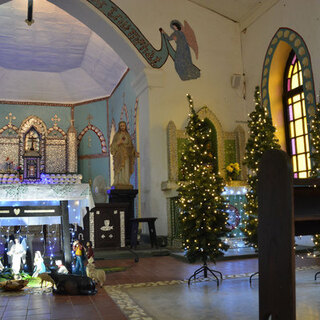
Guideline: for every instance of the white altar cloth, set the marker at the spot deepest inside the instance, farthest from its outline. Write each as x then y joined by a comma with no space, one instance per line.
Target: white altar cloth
78,196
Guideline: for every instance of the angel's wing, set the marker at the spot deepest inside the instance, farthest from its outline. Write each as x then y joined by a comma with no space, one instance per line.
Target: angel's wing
191,37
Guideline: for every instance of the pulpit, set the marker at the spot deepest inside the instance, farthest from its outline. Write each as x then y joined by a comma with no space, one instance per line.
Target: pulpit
105,225
120,196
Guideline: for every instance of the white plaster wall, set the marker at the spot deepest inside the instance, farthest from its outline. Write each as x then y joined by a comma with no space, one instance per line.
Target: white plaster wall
165,99
301,16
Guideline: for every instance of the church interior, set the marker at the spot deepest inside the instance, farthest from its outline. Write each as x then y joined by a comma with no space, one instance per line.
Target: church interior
101,106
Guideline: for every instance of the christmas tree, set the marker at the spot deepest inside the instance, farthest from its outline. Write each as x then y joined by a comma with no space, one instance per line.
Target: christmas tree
315,141
203,214
262,138
315,172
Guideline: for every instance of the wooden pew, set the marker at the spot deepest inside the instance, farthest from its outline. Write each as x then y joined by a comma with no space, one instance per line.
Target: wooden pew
287,208
277,297
306,206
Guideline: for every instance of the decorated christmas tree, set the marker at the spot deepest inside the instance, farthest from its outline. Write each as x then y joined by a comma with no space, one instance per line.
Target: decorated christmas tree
315,172
315,142
203,210
262,138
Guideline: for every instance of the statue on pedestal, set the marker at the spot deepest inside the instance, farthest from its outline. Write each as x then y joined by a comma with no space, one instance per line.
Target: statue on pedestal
124,156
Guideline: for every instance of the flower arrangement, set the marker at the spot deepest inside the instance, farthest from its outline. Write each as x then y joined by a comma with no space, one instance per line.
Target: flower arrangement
233,171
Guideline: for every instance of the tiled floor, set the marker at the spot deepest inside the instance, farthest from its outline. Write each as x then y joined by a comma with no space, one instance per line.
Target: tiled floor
101,306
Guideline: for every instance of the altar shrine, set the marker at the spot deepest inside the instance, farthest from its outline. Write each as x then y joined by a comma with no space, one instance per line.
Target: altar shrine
40,186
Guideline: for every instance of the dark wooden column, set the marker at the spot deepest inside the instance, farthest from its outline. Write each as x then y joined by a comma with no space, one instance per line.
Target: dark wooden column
276,237
66,234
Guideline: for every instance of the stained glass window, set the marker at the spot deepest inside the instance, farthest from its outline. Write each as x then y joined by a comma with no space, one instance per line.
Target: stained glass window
295,114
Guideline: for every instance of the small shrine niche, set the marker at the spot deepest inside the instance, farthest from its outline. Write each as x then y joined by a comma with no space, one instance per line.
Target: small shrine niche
31,157
32,141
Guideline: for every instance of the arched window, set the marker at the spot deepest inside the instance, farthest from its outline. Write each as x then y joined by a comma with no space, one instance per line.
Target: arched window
296,120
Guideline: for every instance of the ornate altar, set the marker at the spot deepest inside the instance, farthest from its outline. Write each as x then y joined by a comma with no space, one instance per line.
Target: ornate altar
48,150
39,184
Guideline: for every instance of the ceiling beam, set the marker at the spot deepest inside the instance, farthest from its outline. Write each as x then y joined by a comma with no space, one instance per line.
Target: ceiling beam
212,10
256,13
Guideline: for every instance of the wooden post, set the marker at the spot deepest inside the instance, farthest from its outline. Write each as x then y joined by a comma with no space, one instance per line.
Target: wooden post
276,237
66,234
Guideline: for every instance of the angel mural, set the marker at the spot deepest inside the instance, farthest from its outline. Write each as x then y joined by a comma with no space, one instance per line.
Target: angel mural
184,38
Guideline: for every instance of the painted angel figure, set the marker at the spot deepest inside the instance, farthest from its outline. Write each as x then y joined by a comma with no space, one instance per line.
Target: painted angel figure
184,38
16,252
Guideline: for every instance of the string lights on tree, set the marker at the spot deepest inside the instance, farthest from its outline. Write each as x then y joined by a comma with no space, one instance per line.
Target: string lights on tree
315,156
261,138
203,209
315,141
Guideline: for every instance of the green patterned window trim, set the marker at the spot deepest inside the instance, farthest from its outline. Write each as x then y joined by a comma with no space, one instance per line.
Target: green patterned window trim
181,143
230,154
299,47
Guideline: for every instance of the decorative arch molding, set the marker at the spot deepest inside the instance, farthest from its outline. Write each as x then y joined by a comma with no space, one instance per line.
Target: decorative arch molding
98,132
277,54
57,129
8,127
174,135
33,121
205,112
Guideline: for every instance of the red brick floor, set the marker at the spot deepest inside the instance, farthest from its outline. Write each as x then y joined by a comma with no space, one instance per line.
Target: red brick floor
101,306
